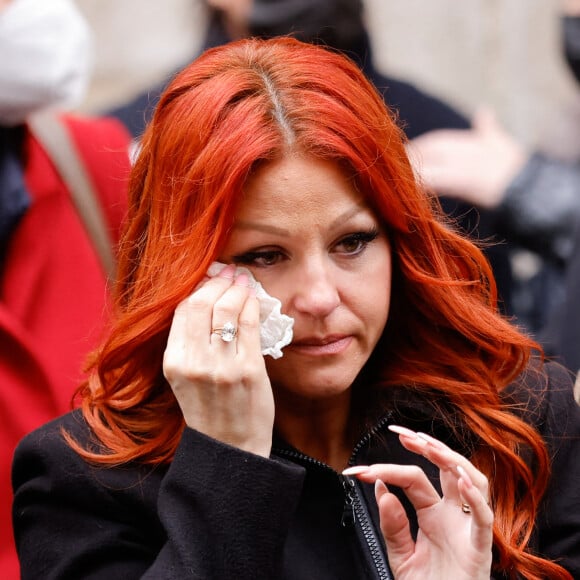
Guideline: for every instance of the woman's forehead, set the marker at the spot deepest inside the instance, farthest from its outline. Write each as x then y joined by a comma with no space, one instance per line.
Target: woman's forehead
299,184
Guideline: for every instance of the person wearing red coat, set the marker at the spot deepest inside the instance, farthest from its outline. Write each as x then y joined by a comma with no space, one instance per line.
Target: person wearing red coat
53,288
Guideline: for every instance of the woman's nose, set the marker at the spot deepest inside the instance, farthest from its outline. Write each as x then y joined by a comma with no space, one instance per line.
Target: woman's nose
316,291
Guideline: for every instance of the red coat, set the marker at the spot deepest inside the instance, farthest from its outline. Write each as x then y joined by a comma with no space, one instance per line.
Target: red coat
53,295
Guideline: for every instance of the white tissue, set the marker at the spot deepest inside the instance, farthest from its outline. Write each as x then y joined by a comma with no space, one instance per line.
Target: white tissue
275,327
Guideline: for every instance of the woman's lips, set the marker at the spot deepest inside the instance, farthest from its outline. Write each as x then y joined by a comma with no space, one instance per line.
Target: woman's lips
321,346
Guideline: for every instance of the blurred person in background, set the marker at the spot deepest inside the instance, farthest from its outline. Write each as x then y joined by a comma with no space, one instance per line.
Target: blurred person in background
571,35
340,24
534,199
53,290
567,334
335,23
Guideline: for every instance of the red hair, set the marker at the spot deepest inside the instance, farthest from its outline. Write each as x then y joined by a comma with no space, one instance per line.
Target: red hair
249,102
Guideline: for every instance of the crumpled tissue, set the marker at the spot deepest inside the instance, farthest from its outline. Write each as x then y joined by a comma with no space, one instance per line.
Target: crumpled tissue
275,327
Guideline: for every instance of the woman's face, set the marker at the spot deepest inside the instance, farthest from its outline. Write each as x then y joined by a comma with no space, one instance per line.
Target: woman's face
314,244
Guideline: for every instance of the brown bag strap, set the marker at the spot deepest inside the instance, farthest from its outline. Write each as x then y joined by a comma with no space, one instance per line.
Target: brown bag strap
56,140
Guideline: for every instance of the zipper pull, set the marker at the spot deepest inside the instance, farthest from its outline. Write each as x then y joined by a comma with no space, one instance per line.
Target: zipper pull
348,513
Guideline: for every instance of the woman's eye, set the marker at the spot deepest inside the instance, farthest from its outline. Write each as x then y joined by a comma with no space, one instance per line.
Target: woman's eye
259,259
354,244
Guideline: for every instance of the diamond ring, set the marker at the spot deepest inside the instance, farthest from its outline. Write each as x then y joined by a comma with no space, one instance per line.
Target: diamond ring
227,332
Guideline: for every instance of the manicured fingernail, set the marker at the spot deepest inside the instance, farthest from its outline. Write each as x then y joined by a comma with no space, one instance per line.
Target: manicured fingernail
380,489
228,271
356,470
403,431
464,475
430,440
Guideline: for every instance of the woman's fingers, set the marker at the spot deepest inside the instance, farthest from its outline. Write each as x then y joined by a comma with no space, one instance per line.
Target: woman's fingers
249,327
445,458
227,312
474,503
209,327
192,320
410,478
394,526
199,319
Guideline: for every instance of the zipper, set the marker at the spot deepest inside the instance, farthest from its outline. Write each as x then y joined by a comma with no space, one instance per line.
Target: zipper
354,504
354,509
348,511
354,499
369,435
301,457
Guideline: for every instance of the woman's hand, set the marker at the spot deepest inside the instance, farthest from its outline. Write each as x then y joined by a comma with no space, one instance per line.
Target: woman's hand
455,531
222,387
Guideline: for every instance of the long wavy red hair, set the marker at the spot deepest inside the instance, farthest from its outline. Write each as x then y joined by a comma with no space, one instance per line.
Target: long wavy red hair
249,102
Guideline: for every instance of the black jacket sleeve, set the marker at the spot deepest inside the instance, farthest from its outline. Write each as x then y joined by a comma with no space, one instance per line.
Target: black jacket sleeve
216,512
568,332
541,207
558,420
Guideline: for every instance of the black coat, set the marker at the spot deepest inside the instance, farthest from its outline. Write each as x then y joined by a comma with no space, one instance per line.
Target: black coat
569,330
219,513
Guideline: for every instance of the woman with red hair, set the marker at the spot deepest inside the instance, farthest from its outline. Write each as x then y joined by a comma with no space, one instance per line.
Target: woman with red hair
406,431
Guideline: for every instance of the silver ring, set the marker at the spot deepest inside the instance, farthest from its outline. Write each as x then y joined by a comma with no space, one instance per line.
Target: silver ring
465,508
227,332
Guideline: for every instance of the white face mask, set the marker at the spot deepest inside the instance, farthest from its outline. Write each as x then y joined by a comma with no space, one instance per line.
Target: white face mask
46,55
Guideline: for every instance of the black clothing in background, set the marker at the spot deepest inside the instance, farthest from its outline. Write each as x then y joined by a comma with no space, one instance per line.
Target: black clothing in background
14,198
568,328
571,44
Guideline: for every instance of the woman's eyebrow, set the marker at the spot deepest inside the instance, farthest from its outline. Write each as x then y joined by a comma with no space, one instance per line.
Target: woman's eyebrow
245,225
347,215
271,229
